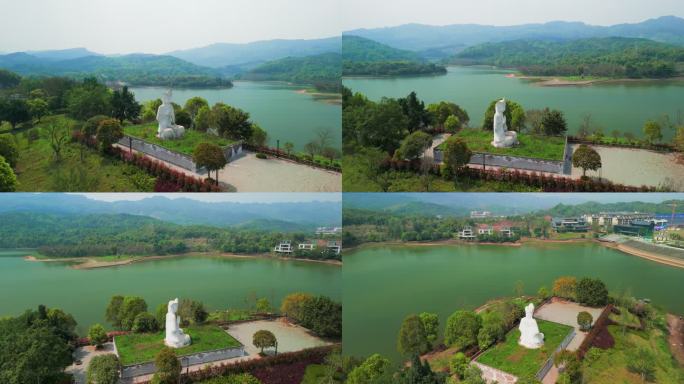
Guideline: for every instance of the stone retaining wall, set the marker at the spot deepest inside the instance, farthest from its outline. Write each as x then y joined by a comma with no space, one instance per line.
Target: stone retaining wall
491,374
512,162
182,160
130,371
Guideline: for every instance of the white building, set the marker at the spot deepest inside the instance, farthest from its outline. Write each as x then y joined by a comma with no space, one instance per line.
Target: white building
484,229
480,214
466,233
335,245
284,247
327,231
307,246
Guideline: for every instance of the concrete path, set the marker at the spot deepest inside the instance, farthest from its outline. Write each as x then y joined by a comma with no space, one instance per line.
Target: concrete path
290,337
85,355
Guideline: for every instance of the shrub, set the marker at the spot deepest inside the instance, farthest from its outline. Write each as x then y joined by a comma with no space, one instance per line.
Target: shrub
458,364
565,287
91,125
97,335
103,369
145,322
260,155
108,132
168,367
293,305
462,329
8,180
323,316
492,330
9,150
243,378
592,292
412,339
264,339
584,320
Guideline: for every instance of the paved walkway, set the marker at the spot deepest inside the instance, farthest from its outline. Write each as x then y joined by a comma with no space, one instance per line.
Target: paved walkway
251,174
290,337
85,355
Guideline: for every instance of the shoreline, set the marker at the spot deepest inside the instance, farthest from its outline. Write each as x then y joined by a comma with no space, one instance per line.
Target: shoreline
91,262
644,254
560,81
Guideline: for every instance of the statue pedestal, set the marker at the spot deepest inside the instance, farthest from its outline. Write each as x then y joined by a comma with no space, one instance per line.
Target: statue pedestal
510,139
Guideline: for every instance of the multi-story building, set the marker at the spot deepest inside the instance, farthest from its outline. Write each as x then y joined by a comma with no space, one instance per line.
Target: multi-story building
484,229
466,233
480,214
569,224
327,231
307,246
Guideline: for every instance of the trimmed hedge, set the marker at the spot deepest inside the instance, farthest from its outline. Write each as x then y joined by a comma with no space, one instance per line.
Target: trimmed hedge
282,154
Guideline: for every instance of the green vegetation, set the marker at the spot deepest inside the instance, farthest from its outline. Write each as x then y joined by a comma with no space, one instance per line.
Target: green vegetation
103,369
314,374
143,347
135,69
540,147
615,57
510,357
185,145
264,339
323,71
364,57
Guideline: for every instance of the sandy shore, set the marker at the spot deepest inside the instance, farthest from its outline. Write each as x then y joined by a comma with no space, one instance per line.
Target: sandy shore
93,262
324,97
644,254
558,81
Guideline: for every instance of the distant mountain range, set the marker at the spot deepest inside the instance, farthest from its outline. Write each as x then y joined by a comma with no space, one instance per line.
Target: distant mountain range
443,41
289,217
249,55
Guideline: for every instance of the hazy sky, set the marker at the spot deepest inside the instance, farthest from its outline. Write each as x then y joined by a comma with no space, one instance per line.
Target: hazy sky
222,197
159,26
383,13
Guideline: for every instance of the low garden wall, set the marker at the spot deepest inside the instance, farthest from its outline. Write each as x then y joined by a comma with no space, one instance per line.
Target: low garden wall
635,145
549,362
514,162
134,370
290,156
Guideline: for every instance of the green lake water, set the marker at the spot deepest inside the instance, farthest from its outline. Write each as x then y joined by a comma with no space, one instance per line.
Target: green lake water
218,282
285,114
619,106
382,285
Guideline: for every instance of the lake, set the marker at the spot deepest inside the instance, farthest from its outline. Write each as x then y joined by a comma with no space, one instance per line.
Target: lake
619,106
382,285
219,283
277,107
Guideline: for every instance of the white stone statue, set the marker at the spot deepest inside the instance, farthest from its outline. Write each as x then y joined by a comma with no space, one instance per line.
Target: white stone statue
175,337
167,120
502,136
530,337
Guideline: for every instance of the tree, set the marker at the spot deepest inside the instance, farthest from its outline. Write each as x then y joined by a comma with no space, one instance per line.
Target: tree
259,137
145,322
14,111
9,79
642,362
592,292
209,156
38,108
168,367
88,99
264,339
312,149
679,139
183,118
440,113
130,308
288,147
374,368
419,372
553,122
543,293
431,325
160,315
124,105
584,320
533,120
586,126
473,375
103,369
565,287
323,316
452,124
8,180
113,311
456,153
586,157
263,305
109,132
383,126
202,120
193,105
462,328
97,335
514,113
413,146
492,330
293,305
90,126
9,149
653,131
59,135
231,122
458,364
414,109
412,339
192,312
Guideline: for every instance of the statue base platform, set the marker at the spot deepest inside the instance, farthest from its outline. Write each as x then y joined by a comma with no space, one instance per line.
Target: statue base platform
534,342
510,140
178,343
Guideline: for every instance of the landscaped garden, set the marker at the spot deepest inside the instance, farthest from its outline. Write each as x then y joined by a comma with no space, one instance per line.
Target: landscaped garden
143,347
538,147
511,357
186,144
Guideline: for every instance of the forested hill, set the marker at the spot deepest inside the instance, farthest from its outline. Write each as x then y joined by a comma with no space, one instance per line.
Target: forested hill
322,71
664,207
135,69
73,235
364,57
615,57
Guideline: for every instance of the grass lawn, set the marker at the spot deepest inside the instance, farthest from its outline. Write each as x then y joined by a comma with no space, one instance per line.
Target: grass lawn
38,170
186,144
510,357
540,147
314,374
143,347
570,235
356,179
230,315
611,365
